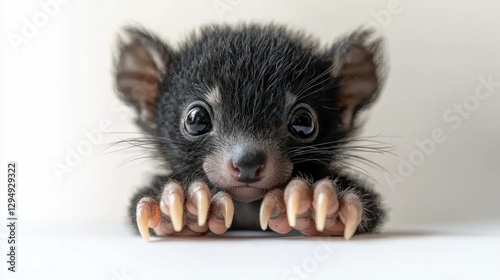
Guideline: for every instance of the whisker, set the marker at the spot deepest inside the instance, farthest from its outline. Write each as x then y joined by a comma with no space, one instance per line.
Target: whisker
365,160
178,171
362,170
131,160
342,142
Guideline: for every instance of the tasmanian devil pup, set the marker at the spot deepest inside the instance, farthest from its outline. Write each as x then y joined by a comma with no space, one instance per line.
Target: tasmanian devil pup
253,123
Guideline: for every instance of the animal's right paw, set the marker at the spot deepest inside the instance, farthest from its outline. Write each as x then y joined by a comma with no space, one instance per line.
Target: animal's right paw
178,214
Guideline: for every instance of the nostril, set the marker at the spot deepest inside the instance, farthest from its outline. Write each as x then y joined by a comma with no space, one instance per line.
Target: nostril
259,170
233,167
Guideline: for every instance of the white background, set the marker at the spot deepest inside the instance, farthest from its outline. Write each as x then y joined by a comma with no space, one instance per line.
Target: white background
56,87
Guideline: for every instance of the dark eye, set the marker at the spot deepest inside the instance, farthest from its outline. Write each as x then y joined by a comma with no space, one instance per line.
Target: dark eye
302,123
198,121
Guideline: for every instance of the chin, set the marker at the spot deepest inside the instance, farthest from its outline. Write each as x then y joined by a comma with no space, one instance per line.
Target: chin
245,193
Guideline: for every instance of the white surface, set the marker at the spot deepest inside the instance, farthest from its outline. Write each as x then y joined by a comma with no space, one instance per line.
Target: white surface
105,252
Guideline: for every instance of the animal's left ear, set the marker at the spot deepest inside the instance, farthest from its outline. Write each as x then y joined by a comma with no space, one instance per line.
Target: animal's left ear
357,65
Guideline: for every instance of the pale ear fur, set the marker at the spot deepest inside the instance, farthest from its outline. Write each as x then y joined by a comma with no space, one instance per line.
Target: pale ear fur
358,64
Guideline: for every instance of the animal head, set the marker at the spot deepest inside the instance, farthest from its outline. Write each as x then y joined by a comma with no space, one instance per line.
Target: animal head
244,106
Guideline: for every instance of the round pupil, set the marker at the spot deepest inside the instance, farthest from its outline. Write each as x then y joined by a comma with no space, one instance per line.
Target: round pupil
198,121
302,123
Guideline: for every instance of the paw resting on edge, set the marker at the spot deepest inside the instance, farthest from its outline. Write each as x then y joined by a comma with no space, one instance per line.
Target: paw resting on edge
316,210
177,215
312,210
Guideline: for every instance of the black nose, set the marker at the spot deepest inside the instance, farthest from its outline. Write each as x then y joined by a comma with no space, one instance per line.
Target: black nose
248,163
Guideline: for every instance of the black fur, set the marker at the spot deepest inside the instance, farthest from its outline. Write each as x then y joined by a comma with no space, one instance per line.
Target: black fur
254,67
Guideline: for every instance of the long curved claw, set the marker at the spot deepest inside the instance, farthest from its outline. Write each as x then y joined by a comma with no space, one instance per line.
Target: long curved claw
227,211
292,207
297,198
321,203
198,203
272,212
175,202
147,215
222,207
266,208
350,214
202,204
325,203
172,204
142,222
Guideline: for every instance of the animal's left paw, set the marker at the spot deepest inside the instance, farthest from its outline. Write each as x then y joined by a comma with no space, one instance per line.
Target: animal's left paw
312,210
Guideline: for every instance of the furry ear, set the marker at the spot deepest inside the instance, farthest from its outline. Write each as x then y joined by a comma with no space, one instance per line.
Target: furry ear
357,64
141,65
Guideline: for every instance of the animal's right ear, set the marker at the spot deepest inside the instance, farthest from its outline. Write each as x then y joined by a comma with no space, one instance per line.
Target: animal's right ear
358,65
140,67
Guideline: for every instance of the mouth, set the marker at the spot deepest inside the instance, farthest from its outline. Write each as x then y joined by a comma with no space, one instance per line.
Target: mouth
246,193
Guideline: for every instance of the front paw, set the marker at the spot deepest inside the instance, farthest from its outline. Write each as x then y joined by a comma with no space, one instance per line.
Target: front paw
175,213
312,210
